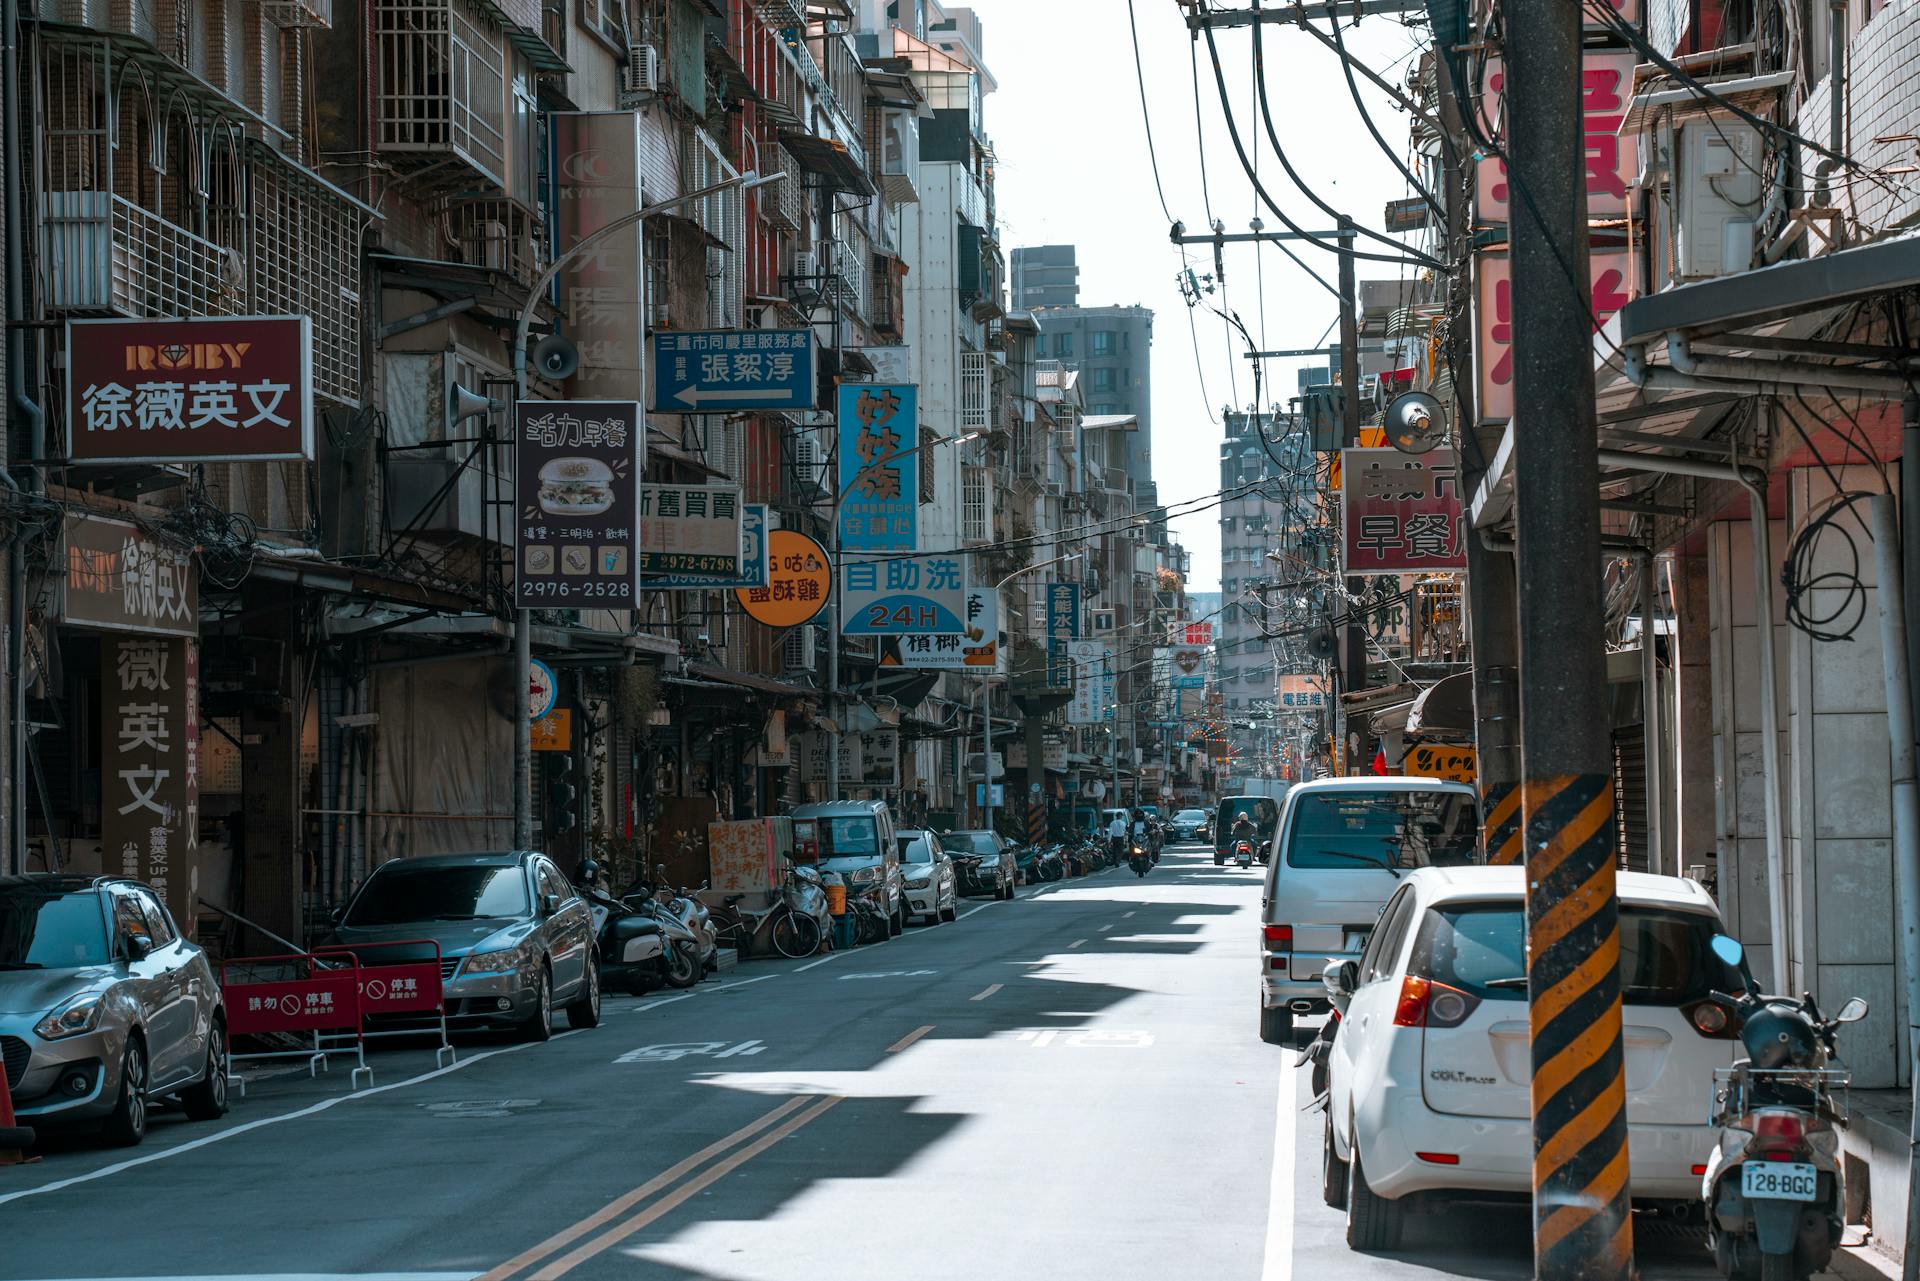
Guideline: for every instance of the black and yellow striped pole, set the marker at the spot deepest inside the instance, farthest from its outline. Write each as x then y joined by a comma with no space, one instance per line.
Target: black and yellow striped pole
1582,1226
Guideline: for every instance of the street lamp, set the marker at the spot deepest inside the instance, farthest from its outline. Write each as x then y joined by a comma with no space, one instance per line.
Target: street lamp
522,626
1034,768
833,593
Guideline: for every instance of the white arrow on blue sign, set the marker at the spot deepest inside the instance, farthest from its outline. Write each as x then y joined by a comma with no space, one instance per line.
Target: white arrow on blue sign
709,370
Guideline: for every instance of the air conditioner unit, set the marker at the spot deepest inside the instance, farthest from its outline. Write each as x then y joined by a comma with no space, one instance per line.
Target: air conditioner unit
1370,389
1717,191
642,72
801,650
1103,620
805,265
1055,489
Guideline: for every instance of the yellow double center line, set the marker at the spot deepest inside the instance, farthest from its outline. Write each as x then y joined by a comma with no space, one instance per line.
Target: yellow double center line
627,1214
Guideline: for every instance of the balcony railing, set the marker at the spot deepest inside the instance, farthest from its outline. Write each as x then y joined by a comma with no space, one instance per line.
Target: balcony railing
105,253
442,84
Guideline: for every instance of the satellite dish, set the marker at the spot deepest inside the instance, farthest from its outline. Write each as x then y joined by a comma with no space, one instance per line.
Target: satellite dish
1322,644
1415,422
556,357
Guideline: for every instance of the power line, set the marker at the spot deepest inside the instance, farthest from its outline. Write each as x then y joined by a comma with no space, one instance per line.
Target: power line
1146,119
1366,117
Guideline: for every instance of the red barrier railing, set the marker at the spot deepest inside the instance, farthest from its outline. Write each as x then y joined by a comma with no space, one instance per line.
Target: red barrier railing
399,986
305,997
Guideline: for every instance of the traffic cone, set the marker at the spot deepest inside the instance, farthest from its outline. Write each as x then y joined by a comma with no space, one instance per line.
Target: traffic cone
14,1139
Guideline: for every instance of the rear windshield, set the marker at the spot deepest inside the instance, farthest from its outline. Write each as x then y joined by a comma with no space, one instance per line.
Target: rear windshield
1665,956
1262,811
1392,829
857,837
968,842
397,894
915,849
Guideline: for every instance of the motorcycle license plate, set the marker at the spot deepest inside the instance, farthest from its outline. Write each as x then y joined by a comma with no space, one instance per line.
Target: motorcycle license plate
1778,1180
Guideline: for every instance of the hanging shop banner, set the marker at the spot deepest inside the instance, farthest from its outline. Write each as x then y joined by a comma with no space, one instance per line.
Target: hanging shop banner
1063,625
903,597
1301,693
554,731
879,495
799,576
1440,760
115,578
1092,682
1612,279
977,649
690,529
1193,635
598,182
1612,157
753,556
200,389
1186,666
150,765
871,759
577,465
709,371
1400,513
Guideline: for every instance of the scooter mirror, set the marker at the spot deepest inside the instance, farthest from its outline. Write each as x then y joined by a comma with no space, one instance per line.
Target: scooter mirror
1853,1011
1728,949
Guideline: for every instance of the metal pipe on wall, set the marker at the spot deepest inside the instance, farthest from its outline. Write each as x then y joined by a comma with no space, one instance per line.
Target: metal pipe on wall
1651,721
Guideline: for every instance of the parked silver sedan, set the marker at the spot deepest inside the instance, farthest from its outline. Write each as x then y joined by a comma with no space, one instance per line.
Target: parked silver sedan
515,938
105,1006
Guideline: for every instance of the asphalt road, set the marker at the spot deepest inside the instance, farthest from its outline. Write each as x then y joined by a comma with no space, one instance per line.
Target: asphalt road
1069,1085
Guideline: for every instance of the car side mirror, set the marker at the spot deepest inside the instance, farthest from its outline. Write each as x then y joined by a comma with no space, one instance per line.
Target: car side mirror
1340,978
337,915
1853,1011
139,947
550,903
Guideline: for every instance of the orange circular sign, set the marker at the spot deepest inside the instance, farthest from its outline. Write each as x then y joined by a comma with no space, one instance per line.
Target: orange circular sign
798,580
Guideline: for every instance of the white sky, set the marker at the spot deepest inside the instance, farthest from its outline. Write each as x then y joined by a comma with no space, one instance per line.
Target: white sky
1066,124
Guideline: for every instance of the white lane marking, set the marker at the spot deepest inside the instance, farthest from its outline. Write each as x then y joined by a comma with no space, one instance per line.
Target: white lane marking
989,992
723,987
1105,928
831,956
665,1000
234,1131
1075,943
313,1276
1125,915
1279,1257
963,916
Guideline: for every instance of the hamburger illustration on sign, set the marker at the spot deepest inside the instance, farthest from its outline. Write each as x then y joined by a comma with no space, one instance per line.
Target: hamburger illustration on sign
576,487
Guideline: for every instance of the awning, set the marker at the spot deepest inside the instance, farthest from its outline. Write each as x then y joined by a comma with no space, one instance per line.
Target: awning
1445,710
830,159
750,680
450,281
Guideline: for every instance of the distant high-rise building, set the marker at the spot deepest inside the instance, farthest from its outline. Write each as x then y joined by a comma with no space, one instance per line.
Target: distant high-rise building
1045,276
1112,347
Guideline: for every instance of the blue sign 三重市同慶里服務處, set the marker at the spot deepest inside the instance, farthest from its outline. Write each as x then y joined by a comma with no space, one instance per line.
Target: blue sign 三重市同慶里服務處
879,496
903,597
711,370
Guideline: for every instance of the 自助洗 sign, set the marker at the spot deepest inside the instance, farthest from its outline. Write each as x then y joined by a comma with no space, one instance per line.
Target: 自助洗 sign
576,487
901,597
1400,513
200,389
977,649
799,577
690,529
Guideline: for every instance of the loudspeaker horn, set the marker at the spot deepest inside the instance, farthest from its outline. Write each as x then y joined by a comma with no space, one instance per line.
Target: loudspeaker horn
556,357
1415,422
1322,644
463,404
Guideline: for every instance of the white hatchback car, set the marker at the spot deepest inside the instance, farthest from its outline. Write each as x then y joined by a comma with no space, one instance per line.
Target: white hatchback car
1428,1074
932,887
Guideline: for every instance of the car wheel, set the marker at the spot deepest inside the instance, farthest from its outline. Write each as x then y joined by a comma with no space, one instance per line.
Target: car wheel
127,1124
950,913
1373,1222
1218,861
207,1100
1333,1171
1276,1026
585,1012
540,1026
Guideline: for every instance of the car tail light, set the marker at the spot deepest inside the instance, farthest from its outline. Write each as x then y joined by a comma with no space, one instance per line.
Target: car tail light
1439,1158
1425,1003
1699,1169
1279,938
1710,1020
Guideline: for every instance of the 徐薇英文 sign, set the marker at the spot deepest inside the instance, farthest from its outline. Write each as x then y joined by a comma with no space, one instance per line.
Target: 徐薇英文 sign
205,389
150,764
753,557
707,371
690,529
576,489
902,597
879,499
116,578
1400,513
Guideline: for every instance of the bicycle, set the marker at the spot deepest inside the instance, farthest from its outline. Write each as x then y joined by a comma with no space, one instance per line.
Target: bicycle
793,933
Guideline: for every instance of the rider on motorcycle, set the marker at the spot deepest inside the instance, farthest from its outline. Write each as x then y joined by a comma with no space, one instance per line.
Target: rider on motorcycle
1243,830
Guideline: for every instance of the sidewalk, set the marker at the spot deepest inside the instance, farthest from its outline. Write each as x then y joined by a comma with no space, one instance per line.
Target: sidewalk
1874,1152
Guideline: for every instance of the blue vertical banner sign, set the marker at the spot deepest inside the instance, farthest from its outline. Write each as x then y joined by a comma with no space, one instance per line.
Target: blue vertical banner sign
879,499
1063,625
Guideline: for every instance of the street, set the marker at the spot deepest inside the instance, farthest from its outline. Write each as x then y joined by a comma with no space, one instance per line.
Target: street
1069,1085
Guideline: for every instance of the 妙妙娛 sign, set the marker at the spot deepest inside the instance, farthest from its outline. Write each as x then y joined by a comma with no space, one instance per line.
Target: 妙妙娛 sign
753,557
902,597
879,461
201,389
690,529
576,486
1400,513
707,371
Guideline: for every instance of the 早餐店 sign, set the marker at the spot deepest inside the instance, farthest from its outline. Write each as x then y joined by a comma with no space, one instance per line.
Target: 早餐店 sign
690,529
1611,275
1611,158
1400,513
576,490
114,577
201,389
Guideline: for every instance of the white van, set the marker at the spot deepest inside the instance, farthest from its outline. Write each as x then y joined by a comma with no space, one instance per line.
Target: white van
1339,850
857,840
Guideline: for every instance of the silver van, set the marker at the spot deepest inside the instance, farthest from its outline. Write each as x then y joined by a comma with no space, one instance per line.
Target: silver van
1339,849
857,840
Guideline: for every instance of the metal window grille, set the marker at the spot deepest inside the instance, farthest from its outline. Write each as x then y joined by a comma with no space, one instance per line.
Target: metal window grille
973,505
306,259
975,389
442,83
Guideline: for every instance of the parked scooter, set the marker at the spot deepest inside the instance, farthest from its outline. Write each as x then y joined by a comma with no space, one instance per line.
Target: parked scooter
632,945
684,948
693,914
1773,1188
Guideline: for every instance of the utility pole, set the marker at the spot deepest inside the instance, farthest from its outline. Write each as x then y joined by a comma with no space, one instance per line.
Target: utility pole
1582,1230
1353,658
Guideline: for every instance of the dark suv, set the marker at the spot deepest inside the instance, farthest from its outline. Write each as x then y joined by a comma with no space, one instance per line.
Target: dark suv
982,861
1262,811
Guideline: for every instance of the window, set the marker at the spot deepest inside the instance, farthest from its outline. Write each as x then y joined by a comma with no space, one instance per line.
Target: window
1103,379
973,506
545,881
1385,829
1063,344
159,924
398,894
1383,948
1039,345
1103,342
49,931
128,919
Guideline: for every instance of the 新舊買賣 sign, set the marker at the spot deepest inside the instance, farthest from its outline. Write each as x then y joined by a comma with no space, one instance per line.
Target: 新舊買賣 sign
201,389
